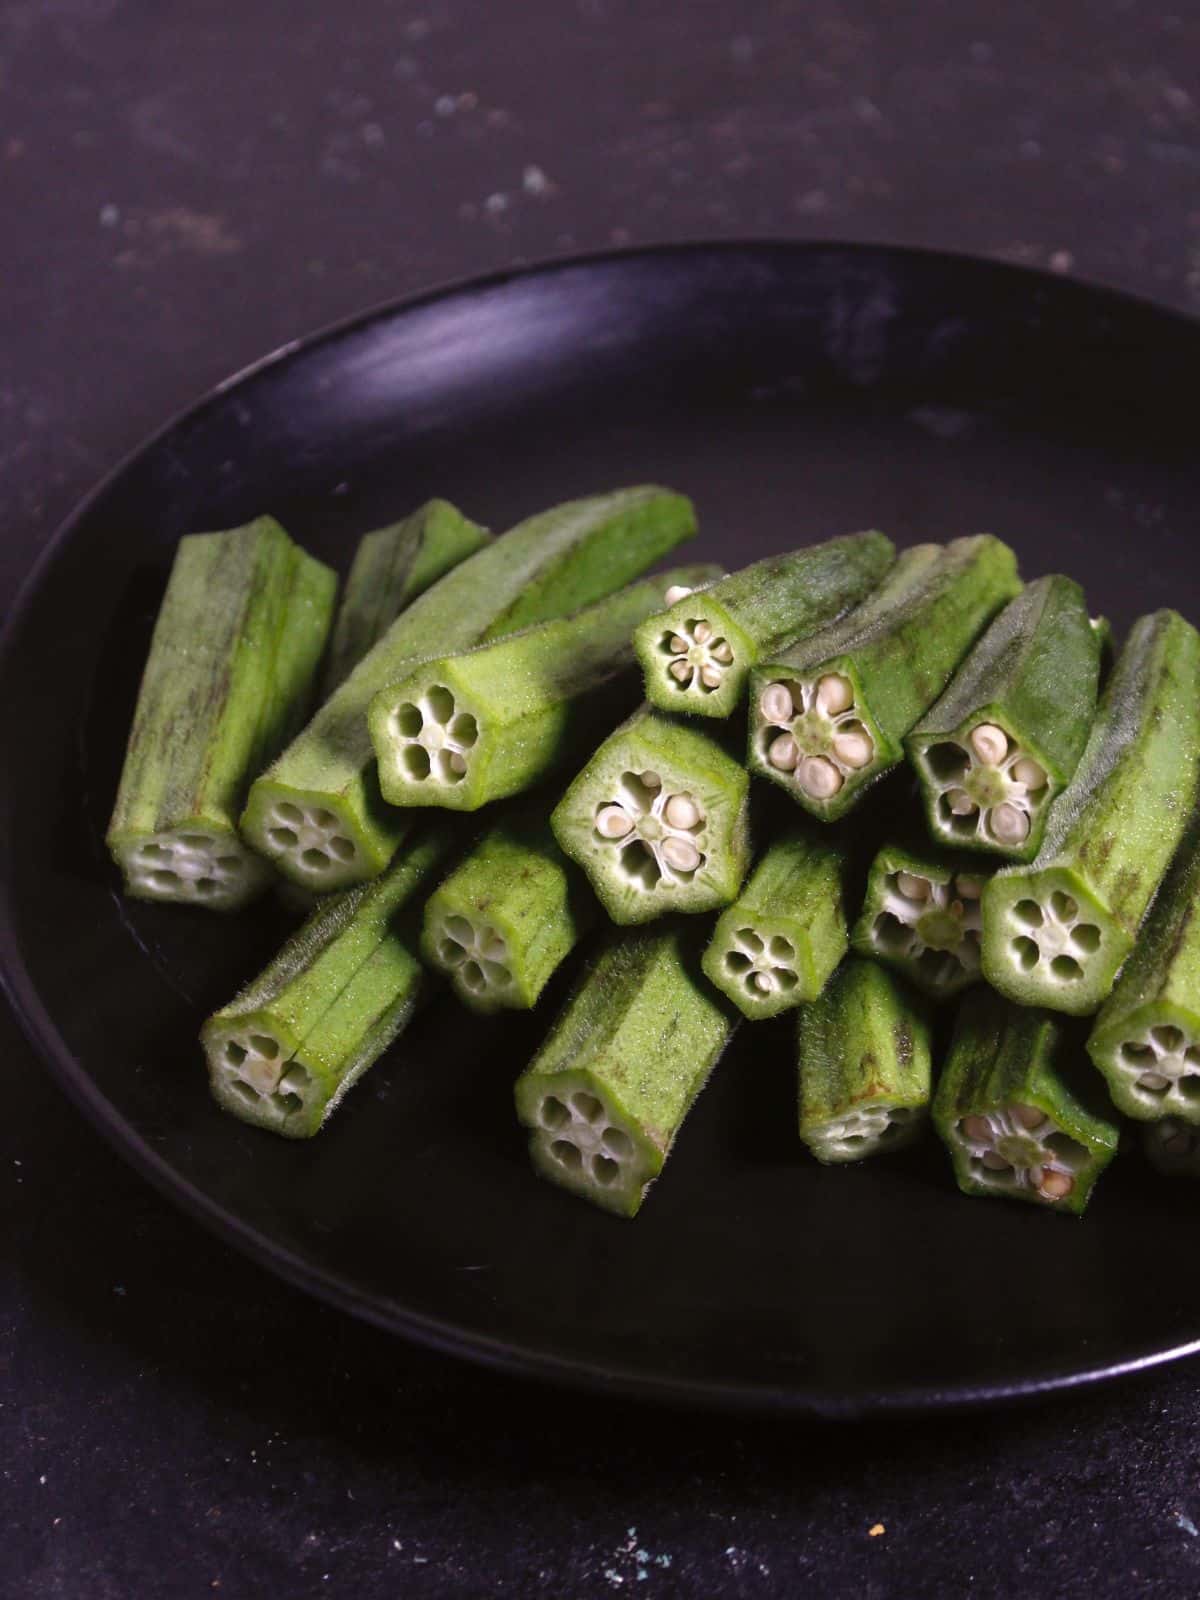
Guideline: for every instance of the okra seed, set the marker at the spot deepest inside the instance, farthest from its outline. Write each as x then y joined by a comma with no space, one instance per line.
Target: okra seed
676,593
681,671
995,1162
762,982
1009,824
834,694
1056,1185
912,887
613,823
1029,773
776,703
960,803
969,888
457,763
783,753
819,777
977,1128
854,748
678,644
651,780
722,651
710,676
681,811
989,743
1028,1116
1154,1081
702,632
680,854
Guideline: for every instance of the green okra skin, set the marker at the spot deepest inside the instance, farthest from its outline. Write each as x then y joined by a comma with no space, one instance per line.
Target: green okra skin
863,1065
605,1096
921,916
1010,1111
828,715
1006,736
229,678
286,1050
697,654
507,916
776,946
468,729
658,819
1146,1040
1055,932
318,812
1172,1147
391,567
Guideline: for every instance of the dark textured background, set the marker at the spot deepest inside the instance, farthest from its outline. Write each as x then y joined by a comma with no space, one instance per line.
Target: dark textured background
185,185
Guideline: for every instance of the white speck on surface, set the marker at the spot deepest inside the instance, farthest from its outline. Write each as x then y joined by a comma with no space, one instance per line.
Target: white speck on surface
42,1479
1061,261
496,204
372,134
741,49
1186,1523
535,181
445,105
109,215
119,1288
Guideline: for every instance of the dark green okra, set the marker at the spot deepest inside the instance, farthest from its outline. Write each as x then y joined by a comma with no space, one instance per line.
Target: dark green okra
318,811
1006,736
863,1065
1172,1147
921,915
697,654
471,728
1009,1112
1146,1040
228,680
391,567
828,715
777,944
285,1051
605,1096
507,916
658,819
1056,931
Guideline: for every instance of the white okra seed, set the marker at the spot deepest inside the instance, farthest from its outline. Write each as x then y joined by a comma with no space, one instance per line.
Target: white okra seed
710,675
960,803
681,671
613,822
722,651
854,749
702,632
784,753
834,694
1057,1185
1029,773
678,644
969,888
977,1128
681,811
680,854
651,780
677,592
762,983
1153,1080
989,743
1009,824
776,703
819,777
458,763
912,887
994,1161
1028,1116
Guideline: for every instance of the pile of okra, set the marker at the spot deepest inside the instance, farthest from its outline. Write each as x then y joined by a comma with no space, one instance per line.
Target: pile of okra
493,750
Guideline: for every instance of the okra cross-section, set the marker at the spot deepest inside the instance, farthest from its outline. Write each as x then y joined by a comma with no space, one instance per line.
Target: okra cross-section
1007,735
697,654
827,716
921,915
658,820
507,916
863,1060
229,678
1010,1113
1146,1040
318,812
605,1096
1056,931
472,728
285,1051
777,944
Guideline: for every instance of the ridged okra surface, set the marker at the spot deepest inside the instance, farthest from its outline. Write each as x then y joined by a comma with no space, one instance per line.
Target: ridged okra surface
921,916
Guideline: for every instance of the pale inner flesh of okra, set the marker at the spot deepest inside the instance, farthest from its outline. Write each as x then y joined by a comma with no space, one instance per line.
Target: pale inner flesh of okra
193,866
860,1131
657,832
311,838
476,956
1051,933
988,786
585,1140
762,963
1161,1066
1018,1148
815,733
696,655
434,737
934,927
257,1069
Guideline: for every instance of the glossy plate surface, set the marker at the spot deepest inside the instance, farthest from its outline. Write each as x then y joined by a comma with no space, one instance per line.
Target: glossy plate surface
795,391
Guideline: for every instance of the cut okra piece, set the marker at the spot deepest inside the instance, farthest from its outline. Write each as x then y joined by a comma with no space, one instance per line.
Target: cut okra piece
658,819
286,1050
777,944
1056,931
1009,1113
1172,1147
697,654
606,1094
1146,1040
471,728
391,567
827,716
507,916
318,812
228,680
1005,738
921,915
864,1066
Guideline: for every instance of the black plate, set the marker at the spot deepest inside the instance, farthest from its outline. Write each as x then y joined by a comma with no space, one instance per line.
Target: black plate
795,391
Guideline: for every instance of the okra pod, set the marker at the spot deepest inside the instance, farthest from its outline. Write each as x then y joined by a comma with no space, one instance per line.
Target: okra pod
285,1051
697,654
1006,736
1056,931
471,728
658,819
318,811
229,677
864,1066
1011,1115
1172,1147
507,916
1146,1040
921,915
827,716
777,944
606,1094
391,567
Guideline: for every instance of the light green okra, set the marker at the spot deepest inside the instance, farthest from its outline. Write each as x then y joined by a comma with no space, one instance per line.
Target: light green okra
921,915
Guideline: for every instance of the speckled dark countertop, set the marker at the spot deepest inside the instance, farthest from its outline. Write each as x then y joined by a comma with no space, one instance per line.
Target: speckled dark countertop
184,186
